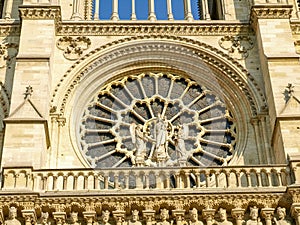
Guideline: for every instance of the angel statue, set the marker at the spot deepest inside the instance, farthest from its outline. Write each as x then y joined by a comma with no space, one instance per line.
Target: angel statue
139,140
161,136
181,136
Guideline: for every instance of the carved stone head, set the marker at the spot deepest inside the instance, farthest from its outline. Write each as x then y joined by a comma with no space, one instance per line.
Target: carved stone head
222,214
135,215
194,214
254,213
105,216
281,212
12,212
74,217
164,214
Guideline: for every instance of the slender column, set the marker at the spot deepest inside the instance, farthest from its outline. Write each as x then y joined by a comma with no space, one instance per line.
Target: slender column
248,179
188,10
279,178
115,14
75,184
76,7
119,216
169,8
149,216
151,14
205,11
265,137
187,178
208,215
97,8
258,140
29,216
96,182
106,177
89,216
238,215
8,9
267,214
259,179
133,15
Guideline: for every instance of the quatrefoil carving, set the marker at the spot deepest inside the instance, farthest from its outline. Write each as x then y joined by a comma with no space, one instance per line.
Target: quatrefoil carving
238,46
73,47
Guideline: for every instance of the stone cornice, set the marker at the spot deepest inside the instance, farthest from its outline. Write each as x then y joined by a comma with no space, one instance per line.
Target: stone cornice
271,11
295,26
138,28
35,12
9,28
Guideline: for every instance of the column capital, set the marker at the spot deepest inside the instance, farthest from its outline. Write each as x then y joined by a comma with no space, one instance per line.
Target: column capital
238,213
208,214
30,216
267,213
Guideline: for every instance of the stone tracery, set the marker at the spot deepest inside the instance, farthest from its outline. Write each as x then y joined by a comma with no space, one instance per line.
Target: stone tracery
157,119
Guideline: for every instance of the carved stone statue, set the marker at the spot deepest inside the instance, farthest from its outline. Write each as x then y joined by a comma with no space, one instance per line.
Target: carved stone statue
254,219
182,134
44,218
194,217
74,218
135,218
161,135
281,213
12,217
164,215
138,139
105,218
223,217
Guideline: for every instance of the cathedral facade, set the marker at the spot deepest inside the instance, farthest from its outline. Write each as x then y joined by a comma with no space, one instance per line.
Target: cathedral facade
172,117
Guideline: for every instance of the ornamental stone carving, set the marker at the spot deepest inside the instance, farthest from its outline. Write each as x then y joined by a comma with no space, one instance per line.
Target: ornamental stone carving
73,47
7,52
281,217
254,218
237,46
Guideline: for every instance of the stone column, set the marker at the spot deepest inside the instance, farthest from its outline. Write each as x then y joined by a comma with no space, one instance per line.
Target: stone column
8,9
208,215
149,216
115,8
179,215
133,15
169,9
59,217
119,216
188,10
29,216
151,14
238,215
89,216
267,214
76,14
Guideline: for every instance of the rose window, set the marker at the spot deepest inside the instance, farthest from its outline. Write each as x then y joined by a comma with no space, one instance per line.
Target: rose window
156,119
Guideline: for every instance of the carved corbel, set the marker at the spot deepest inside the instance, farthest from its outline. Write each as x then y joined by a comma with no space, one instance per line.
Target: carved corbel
30,216
73,47
149,216
119,216
179,215
208,215
59,217
89,216
267,214
237,46
238,215
7,52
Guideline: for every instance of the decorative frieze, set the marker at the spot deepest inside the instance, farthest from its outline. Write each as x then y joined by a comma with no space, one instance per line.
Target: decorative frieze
34,12
271,12
124,29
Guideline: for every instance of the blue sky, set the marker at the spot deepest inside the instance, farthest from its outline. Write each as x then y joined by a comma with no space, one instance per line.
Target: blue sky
142,9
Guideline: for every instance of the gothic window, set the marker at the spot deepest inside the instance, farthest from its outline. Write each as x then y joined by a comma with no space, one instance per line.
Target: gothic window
156,119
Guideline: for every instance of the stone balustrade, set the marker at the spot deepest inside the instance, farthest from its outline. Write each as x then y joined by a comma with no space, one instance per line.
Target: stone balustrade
126,179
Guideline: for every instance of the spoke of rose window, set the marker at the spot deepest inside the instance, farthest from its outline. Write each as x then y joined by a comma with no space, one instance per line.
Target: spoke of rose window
101,143
120,162
105,155
197,161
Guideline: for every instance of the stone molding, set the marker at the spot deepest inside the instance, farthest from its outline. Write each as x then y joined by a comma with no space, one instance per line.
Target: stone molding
10,29
34,12
4,99
207,53
126,28
271,11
